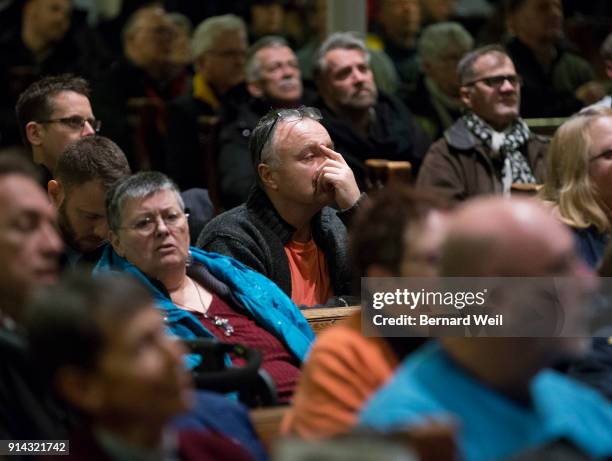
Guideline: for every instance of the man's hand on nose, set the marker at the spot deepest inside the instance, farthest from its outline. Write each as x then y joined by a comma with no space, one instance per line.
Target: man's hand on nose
335,175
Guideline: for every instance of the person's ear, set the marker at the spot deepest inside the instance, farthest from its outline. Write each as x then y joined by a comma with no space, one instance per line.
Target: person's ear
80,388
465,93
33,132
116,243
255,90
56,192
267,176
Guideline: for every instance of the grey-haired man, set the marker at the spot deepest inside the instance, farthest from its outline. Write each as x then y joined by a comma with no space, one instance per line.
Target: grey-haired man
286,230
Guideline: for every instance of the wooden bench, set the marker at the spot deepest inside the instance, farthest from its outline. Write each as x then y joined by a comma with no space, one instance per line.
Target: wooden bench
320,318
545,126
432,442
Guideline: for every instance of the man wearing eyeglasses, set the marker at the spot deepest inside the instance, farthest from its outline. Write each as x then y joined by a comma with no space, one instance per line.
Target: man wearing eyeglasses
490,148
52,113
286,230
219,48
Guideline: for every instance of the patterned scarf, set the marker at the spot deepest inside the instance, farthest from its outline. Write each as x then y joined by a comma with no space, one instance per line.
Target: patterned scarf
506,148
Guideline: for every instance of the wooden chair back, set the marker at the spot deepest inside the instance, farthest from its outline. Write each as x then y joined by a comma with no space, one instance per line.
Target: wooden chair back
381,172
529,190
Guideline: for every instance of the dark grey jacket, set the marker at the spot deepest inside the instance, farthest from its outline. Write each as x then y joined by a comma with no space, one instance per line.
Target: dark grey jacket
255,234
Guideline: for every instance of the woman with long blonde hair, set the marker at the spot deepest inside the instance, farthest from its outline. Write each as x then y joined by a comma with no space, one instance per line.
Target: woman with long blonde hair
579,179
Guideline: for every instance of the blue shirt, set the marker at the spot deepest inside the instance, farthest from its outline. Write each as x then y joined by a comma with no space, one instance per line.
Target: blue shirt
428,384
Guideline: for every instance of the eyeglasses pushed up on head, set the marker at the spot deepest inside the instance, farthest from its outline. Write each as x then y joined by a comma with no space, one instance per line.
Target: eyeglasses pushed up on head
287,114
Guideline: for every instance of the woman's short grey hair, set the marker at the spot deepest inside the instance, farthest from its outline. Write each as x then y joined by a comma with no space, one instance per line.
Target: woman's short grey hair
139,185
253,64
437,39
338,40
207,31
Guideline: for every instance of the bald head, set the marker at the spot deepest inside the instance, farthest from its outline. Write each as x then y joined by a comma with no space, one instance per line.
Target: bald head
503,237
507,237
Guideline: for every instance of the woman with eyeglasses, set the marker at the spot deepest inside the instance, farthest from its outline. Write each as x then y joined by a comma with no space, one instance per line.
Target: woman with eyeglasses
579,180
201,294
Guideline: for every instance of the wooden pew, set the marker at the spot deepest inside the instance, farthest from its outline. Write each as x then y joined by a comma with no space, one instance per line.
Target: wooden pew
431,442
320,318
545,126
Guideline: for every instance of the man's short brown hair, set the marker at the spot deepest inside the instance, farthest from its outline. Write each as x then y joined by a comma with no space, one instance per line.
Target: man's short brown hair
35,102
91,158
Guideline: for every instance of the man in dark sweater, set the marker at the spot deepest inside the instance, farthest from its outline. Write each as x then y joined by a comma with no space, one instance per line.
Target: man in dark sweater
362,121
285,230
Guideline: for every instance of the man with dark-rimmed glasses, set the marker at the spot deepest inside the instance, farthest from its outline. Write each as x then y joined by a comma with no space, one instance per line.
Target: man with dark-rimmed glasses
52,113
286,230
490,148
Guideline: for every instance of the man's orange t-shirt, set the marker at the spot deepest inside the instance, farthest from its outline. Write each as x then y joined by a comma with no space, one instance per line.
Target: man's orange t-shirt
310,283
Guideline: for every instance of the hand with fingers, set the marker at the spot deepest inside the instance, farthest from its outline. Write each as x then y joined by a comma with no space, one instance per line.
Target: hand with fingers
334,177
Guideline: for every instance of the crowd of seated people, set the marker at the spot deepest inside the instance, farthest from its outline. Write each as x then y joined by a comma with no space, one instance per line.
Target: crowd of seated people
221,96
202,294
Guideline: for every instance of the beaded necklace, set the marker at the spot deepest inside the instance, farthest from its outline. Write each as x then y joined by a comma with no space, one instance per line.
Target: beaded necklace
218,321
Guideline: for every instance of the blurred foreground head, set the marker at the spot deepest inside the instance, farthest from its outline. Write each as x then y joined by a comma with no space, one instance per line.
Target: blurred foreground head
101,344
